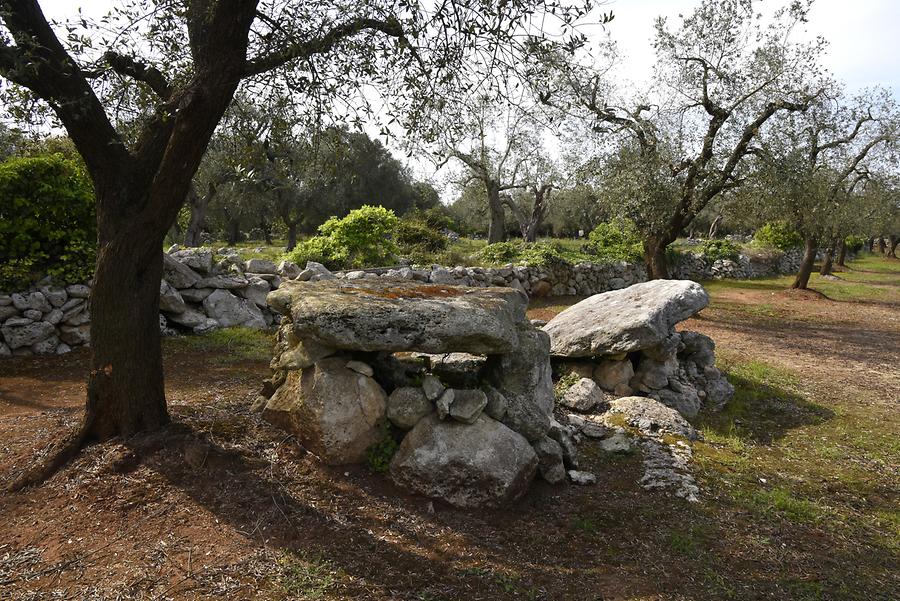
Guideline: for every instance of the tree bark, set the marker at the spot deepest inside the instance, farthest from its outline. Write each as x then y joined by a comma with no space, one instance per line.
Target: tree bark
827,261
879,243
497,224
714,227
801,282
893,241
842,252
291,235
538,210
199,207
655,258
234,232
125,386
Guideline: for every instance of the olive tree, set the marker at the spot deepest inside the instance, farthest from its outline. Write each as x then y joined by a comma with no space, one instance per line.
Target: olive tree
813,165
721,75
168,71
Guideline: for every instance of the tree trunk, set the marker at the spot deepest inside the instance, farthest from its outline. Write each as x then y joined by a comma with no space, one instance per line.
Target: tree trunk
125,385
870,243
879,243
893,241
497,225
655,258
537,213
199,207
234,232
291,235
827,261
714,227
842,252
801,282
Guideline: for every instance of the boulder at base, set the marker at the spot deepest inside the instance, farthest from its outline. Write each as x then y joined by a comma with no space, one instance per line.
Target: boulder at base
334,411
396,315
468,465
626,320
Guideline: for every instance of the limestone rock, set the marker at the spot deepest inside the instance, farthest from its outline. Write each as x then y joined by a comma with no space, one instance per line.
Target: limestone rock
196,295
652,417
301,355
75,335
443,403
170,300
582,478
610,375
467,465
406,406
397,315
583,396
27,334
31,300
497,403
55,295
432,387
550,460
467,405
199,259
189,318
78,291
617,443
335,412
229,310
626,320
222,282
361,368
288,269
525,379
260,266
174,272
461,370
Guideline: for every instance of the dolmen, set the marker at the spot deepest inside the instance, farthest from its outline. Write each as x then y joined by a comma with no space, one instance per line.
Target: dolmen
459,373
624,343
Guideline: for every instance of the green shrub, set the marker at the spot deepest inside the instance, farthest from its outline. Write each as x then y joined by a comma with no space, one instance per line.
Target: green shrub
499,253
418,237
778,234
47,222
616,241
379,455
364,238
714,250
437,218
319,249
544,254
854,244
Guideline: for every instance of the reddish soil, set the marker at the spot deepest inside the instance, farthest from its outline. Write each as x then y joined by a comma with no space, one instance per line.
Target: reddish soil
222,506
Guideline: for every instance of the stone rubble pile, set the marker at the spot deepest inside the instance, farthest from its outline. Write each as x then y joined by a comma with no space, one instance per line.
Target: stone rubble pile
624,342
459,373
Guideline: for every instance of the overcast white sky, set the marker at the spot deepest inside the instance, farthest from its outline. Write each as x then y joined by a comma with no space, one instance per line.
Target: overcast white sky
864,36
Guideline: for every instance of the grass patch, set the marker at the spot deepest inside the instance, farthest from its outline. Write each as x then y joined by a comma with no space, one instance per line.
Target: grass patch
226,345
305,577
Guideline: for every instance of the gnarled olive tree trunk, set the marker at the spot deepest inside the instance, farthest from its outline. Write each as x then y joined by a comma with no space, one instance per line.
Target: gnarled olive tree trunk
655,257
810,246
497,224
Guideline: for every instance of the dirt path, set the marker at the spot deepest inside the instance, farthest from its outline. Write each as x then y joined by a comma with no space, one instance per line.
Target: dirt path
222,506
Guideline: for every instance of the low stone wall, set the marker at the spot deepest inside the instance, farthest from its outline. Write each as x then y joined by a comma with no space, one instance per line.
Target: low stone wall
205,289
200,292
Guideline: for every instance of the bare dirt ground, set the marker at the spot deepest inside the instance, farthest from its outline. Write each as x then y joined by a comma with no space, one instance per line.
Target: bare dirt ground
799,488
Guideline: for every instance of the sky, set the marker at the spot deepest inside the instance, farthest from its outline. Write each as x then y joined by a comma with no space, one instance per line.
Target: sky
863,35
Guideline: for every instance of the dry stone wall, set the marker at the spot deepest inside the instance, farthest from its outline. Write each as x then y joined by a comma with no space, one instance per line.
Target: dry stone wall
204,289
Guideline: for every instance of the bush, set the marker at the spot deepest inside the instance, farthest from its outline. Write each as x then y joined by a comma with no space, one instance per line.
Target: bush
778,234
501,252
616,241
364,238
418,237
379,455
319,249
714,250
47,222
544,254
854,244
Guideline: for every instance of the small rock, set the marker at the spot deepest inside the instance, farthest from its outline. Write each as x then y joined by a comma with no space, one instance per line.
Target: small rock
584,395
467,405
550,460
361,368
582,478
78,291
497,403
617,443
443,403
406,406
432,387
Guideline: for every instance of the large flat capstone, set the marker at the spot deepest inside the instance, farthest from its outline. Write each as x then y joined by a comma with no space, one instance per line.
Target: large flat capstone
621,321
396,315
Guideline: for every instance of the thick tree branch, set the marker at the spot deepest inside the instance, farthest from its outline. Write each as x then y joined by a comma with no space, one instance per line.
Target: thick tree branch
321,45
149,75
